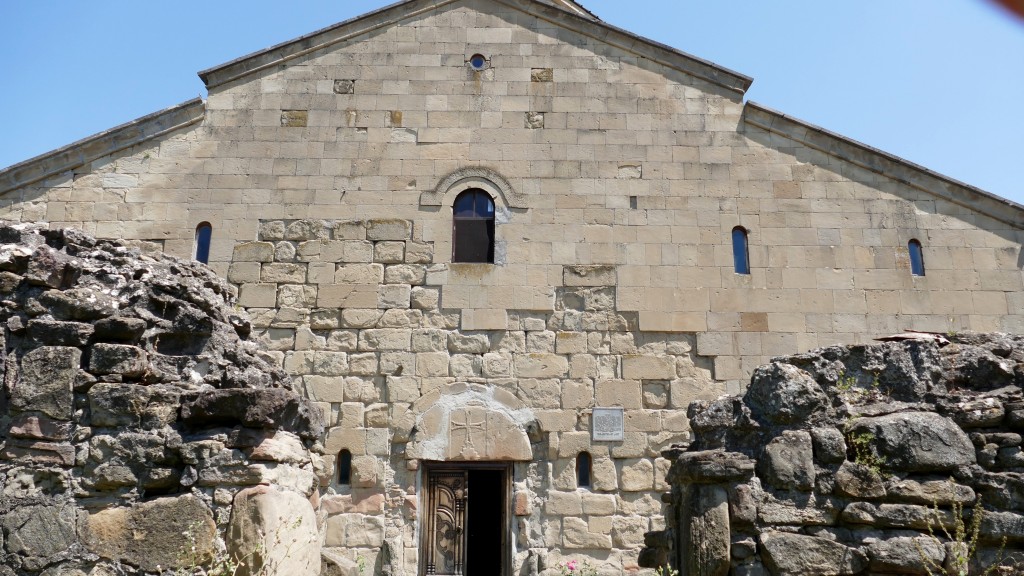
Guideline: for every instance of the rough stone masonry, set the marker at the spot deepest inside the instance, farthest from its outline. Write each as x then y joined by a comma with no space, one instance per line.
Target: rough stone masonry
849,459
138,423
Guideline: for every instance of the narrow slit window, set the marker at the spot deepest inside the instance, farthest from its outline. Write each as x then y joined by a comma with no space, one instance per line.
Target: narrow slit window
584,467
473,227
916,257
204,233
344,467
740,252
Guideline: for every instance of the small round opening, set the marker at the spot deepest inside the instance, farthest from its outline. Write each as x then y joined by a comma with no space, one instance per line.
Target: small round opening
477,62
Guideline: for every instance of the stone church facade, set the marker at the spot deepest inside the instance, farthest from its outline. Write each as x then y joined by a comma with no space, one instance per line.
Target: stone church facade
648,238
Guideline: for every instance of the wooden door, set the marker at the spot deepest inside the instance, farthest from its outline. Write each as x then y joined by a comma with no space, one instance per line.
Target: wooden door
447,495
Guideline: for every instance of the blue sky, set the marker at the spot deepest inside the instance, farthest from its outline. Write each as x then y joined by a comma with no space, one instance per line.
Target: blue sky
938,82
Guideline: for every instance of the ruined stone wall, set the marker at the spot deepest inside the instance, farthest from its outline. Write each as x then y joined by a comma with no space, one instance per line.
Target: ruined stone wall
140,428
855,460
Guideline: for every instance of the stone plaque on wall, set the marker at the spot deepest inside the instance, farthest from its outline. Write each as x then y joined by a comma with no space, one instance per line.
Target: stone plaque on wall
607,425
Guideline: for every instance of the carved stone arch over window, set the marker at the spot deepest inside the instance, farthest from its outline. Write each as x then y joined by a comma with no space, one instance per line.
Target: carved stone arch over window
473,177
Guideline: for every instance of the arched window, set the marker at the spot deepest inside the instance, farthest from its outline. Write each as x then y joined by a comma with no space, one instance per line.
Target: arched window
740,254
916,258
473,227
584,467
204,232
344,467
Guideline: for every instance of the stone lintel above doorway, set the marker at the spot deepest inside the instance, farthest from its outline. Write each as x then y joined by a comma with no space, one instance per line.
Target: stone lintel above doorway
471,423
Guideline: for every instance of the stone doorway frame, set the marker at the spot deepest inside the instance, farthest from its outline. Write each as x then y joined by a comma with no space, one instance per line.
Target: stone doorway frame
426,504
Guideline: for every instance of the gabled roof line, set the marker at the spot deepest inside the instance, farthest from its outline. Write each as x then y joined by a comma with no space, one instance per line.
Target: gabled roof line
886,164
390,15
102,144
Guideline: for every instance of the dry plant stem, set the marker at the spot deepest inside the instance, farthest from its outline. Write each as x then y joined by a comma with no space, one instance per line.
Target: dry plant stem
963,540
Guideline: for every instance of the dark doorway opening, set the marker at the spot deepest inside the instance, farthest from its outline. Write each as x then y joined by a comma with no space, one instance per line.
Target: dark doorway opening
486,523
466,527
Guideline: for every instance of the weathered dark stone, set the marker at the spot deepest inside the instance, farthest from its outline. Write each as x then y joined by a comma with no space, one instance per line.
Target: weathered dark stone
133,405
980,413
39,427
784,394
708,536
788,461
117,359
941,492
917,441
897,516
57,333
40,531
120,329
46,379
269,408
799,555
905,555
859,481
79,304
153,533
712,467
829,445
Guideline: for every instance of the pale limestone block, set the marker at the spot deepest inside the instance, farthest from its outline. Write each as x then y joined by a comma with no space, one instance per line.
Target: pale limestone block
347,296
655,394
389,252
628,531
404,274
388,229
660,321
430,340
359,274
634,445
570,342
643,420
244,272
484,319
576,534
347,251
661,469
354,531
330,363
432,364
342,341
360,318
468,343
583,366
394,296
306,339
253,252
296,296
258,296
589,276
320,273
539,393
624,393
419,253
577,394
604,476
563,503
283,273
637,475
598,504
363,364
424,297
538,365
324,389
556,420
540,341
496,365
384,339
404,388
639,367
352,415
